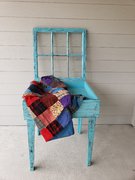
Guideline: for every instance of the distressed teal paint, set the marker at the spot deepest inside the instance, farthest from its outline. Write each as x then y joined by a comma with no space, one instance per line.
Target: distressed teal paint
74,55
52,55
84,55
31,141
35,55
90,107
59,30
67,46
91,131
31,134
79,125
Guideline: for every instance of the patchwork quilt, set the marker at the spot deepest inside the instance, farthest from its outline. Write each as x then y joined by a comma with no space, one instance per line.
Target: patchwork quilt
51,106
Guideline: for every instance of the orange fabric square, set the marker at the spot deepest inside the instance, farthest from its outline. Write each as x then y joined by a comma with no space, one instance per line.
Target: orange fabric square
46,117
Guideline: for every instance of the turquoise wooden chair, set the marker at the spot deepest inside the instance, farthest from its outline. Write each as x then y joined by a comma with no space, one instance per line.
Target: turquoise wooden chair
90,106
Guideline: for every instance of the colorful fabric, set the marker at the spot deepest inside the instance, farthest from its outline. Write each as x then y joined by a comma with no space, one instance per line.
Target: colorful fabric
51,106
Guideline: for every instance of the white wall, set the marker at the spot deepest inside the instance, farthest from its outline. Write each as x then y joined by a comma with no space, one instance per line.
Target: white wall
111,51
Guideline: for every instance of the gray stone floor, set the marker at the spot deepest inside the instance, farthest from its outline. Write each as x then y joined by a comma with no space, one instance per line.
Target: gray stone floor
113,155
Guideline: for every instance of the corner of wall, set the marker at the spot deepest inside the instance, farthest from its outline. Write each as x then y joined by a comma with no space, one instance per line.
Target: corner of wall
133,117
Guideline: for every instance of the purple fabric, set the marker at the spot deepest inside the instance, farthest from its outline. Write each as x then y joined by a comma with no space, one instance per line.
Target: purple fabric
46,79
66,100
52,81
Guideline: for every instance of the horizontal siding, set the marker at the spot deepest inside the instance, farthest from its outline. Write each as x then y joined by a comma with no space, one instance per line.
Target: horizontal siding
114,88
94,26
92,66
108,100
24,52
61,11
97,77
94,40
110,51
100,88
99,2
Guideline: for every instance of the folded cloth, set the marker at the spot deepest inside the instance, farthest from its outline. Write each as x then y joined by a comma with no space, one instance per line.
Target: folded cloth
51,106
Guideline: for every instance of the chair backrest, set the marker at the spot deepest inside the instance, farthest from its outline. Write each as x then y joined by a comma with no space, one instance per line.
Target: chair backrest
52,32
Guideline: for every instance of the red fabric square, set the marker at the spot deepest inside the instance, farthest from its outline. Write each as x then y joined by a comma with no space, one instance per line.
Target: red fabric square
46,134
30,99
48,99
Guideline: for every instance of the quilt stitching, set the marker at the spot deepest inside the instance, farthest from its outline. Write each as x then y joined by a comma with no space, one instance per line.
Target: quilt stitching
51,107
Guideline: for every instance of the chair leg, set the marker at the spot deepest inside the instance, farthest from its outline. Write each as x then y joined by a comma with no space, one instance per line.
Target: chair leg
79,125
31,139
91,130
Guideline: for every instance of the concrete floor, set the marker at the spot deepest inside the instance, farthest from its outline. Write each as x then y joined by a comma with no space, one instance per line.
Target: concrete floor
113,156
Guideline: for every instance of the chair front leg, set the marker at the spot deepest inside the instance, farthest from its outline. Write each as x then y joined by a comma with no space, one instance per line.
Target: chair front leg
31,142
79,125
91,131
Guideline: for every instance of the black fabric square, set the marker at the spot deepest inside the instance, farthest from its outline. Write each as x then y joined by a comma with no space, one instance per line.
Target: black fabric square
37,107
35,89
54,127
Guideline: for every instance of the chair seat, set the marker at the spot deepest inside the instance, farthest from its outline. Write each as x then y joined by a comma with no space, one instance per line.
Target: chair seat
90,106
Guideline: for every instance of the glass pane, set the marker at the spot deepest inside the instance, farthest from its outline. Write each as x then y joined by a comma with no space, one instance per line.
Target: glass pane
60,66
75,66
44,43
44,66
75,42
59,43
